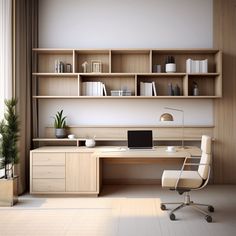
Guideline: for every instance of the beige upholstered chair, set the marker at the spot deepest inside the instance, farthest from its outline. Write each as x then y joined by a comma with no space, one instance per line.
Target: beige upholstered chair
184,181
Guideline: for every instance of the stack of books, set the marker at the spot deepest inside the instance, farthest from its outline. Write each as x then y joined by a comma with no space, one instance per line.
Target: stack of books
93,89
148,89
196,66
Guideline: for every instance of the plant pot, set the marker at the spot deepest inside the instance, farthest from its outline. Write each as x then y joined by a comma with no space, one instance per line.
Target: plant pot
170,67
8,193
60,133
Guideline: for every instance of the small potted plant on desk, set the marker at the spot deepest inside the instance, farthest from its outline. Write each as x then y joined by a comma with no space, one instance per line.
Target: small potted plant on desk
60,125
9,130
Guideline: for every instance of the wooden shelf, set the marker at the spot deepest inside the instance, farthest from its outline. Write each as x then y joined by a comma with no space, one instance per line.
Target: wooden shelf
108,139
125,97
55,74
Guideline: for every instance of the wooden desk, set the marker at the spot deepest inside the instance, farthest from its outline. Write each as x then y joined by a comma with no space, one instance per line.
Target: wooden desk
78,170
121,155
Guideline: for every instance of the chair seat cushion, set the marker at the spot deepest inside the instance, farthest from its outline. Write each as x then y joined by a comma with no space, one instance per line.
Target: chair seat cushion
188,179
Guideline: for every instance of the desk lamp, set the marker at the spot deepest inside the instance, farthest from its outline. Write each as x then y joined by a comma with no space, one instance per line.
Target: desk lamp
169,117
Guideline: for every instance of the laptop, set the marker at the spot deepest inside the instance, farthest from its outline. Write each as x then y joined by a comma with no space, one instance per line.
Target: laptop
140,139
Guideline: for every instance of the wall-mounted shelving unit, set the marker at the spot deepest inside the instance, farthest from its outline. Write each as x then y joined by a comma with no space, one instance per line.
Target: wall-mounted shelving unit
125,68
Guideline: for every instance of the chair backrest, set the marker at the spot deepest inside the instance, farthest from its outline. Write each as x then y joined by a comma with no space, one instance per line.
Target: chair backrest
203,170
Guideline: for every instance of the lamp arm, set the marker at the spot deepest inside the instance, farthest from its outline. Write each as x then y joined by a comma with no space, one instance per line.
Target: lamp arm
174,109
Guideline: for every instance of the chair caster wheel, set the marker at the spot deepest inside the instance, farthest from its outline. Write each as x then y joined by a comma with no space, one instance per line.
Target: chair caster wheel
163,207
172,216
208,218
211,209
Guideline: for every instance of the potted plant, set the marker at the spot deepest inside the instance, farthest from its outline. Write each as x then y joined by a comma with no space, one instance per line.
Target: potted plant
9,130
60,124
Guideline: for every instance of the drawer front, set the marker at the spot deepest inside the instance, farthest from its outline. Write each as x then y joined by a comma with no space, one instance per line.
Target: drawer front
48,185
48,158
47,172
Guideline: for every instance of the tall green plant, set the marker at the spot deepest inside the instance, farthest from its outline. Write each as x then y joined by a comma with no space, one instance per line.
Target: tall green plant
59,120
9,130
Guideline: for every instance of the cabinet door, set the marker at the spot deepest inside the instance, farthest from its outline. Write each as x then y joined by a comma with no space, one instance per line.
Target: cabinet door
81,172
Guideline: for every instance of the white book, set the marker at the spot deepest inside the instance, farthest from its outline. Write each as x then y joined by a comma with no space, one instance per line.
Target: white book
84,89
89,89
148,89
201,66
94,89
205,66
188,66
142,89
193,66
197,66
104,89
100,89
154,88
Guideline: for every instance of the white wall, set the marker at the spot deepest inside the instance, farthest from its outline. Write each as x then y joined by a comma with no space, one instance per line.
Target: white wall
125,24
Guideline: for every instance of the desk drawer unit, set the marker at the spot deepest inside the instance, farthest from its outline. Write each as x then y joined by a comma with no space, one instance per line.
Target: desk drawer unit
48,158
48,185
48,172
44,172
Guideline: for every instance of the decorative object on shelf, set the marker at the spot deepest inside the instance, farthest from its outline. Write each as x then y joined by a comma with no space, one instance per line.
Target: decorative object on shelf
170,64
170,90
68,68
60,125
196,66
85,67
90,142
195,89
96,66
9,130
59,66
169,117
156,69
71,136
120,93
176,90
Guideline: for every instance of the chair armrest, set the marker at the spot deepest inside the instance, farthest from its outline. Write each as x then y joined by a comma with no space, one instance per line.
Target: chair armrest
195,164
187,164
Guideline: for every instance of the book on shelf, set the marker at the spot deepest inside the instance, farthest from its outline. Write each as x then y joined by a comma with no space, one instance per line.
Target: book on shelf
154,88
104,89
196,66
92,88
148,89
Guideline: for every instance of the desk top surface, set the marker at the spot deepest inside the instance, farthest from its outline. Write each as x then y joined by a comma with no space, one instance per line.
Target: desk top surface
124,152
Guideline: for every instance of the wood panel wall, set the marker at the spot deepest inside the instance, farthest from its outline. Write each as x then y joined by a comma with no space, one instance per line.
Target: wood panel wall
224,13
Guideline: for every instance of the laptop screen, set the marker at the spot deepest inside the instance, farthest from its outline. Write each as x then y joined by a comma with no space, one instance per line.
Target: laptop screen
140,139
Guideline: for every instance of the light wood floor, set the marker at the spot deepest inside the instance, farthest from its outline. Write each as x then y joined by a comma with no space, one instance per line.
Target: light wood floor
120,211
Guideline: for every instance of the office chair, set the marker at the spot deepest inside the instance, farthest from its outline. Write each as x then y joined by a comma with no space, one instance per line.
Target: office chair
184,181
